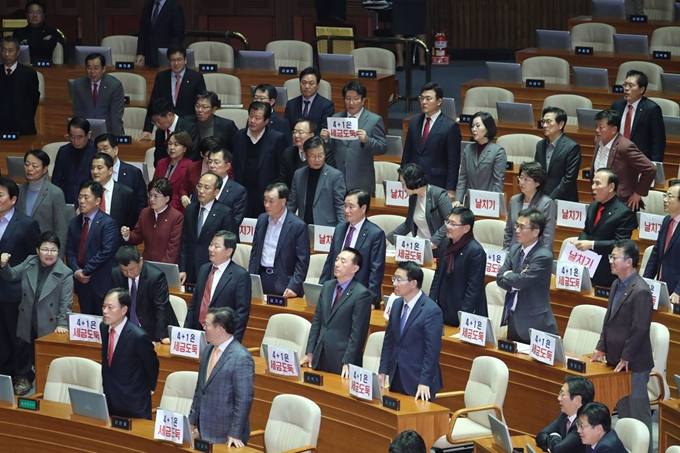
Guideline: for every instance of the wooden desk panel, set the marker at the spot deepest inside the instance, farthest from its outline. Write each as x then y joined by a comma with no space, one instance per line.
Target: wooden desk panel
486,445
669,424
623,25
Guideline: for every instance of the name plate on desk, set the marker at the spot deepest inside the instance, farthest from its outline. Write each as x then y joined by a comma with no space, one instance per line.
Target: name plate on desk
124,139
247,230
10,136
367,73
602,292
395,195
279,301
84,328
507,346
126,100
43,64
487,204
29,404
583,50
343,128
576,365
323,236
650,224
661,55
572,277
186,342
413,249
313,378
121,423
571,214
172,426
391,403
535,83
204,446
586,258
282,361
494,261
125,65
207,68
363,383
474,328
639,18
287,70
509,166
465,118
617,89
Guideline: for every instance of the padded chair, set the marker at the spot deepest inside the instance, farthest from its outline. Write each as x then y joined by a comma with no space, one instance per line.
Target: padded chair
668,107
316,262
428,277
652,70
645,259
657,387
484,394
564,245
484,99
659,9
123,48
179,306
384,171
549,69
387,222
519,147
213,52
293,88
293,425
238,116
373,349
178,393
71,372
226,86
292,53
633,433
286,331
148,158
495,300
52,149
41,85
133,121
597,35
654,202
666,39
673,449
58,54
583,329
134,85
241,255
381,60
489,233
569,103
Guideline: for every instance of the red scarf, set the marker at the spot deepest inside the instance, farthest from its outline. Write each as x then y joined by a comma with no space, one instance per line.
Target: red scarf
452,249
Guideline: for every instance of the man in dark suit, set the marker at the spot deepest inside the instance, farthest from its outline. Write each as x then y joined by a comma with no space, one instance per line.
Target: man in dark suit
129,361
257,156
458,282
19,93
74,160
413,338
607,220
408,441
99,95
595,430
310,103
118,200
624,340
283,267
221,283
18,237
123,173
293,157
664,262
150,299
636,173
41,40
525,275
559,155
202,219
164,117
561,436
211,125
433,141
225,385
363,235
161,25
641,117
232,193
341,318
93,238
266,92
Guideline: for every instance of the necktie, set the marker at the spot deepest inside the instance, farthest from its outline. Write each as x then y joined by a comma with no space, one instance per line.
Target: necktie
178,83
83,243
95,94
205,301
426,132
348,240
626,126
102,205
9,72
112,343
404,315
214,357
154,14
548,155
568,425
201,219
669,235
510,295
133,306
305,111
599,214
338,293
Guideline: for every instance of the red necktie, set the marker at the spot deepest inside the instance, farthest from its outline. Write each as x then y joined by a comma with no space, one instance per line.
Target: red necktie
338,293
102,205
9,72
426,132
178,77
112,338
95,95
167,137
599,214
626,126
205,301
83,243
669,235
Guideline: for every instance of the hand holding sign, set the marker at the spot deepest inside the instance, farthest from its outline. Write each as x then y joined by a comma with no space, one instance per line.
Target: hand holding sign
343,128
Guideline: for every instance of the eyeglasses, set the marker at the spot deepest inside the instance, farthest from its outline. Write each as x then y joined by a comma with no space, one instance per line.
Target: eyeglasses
519,226
547,122
398,281
316,157
176,60
524,179
615,257
215,162
582,427
297,132
452,224
202,107
49,251
355,100
155,196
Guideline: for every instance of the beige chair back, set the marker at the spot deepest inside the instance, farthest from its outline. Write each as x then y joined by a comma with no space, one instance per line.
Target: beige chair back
133,121
583,329
633,434
597,35
569,103
654,202
384,171
226,86
652,71
213,52
242,255
660,338
549,69
495,300
179,307
484,99
148,158
316,262
71,372
293,88
293,423
287,331
387,222
645,259
238,116
134,85
668,107
178,393
489,233
41,85
659,9
519,147
371,360
292,53
52,149
381,60
123,48
58,54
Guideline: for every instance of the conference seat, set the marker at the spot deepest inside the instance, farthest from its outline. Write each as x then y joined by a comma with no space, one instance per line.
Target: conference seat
597,35
652,71
286,331
58,53
657,387
483,99
148,158
489,233
292,53
71,372
380,60
654,202
238,116
179,307
633,434
519,147
484,394
372,351
569,103
495,300
241,255
583,329
178,393
213,52
226,86
387,222
41,85
384,171
52,149
549,69
293,88
133,121
666,39
659,9
293,425
668,107
123,48
645,259
134,85
428,277
673,449
316,262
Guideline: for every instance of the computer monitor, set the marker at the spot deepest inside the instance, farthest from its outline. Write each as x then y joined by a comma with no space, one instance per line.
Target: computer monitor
553,39
71,85
501,434
670,83
97,126
281,94
586,118
6,391
448,108
503,72
15,167
609,9
395,148
86,403
171,271
330,63
515,113
312,293
24,55
631,44
83,51
590,77
256,60
163,58
672,124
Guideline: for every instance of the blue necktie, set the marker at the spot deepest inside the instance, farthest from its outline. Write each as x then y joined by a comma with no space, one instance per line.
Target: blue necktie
201,219
510,295
404,315
154,14
133,305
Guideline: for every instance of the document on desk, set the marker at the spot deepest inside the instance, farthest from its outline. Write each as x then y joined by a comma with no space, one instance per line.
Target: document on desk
523,348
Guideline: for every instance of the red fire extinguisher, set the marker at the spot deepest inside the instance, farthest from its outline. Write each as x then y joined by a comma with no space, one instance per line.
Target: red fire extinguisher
441,45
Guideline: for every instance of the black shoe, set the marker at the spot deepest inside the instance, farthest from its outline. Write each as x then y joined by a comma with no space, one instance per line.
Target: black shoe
400,68
423,67
21,386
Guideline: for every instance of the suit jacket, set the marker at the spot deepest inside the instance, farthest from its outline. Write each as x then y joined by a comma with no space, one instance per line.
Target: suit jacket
34,37
233,290
153,307
486,173
625,331
48,210
19,239
636,173
648,130
161,237
132,177
291,260
193,84
290,163
564,167
176,178
533,282
133,373
123,207
540,201
440,156
167,31
371,244
194,247
616,222
20,100
269,164
329,198
668,258
280,124
183,124
222,401
463,288
355,159
110,102
415,350
610,443
69,178
339,328
223,130
319,111
569,442
437,210
235,196
192,175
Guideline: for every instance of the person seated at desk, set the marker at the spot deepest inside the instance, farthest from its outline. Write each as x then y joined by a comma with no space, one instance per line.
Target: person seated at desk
174,166
408,441
118,200
41,40
73,164
561,436
595,430
18,90
211,125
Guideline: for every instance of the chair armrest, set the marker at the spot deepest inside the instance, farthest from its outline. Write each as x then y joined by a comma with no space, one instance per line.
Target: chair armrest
450,394
38,395
257,432
254,349
662,387
301,449
463,412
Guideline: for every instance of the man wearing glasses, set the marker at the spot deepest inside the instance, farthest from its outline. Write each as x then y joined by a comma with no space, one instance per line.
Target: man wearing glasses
266,92
74,160
210,125
595,430
294,157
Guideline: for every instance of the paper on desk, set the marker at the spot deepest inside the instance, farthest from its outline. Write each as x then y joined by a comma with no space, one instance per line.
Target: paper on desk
523,348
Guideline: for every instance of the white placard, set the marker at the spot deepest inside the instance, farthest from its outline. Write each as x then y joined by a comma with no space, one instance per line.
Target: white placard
171,426
655,288
282,361
395,195
247,230
323,236
343,128
484,203
571,214
542,347
360,382
587,258
568,276
650,224
473,328
84,328
410,249
186,342
494,261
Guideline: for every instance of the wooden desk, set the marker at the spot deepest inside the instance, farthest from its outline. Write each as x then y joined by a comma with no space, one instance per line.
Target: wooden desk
52,431
486,444
623,25
669,424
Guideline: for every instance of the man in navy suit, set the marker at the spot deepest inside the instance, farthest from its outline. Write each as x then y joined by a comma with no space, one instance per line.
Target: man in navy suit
664,262
18,90
90,249
211,125
74,160
232,193
433,141
123,172
266,92
595,430
118,200
413,339
310,103
164,117
161,25
129,361
221,283
280,253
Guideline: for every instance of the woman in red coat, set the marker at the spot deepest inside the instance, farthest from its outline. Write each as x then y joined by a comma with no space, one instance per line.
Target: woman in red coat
175,165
